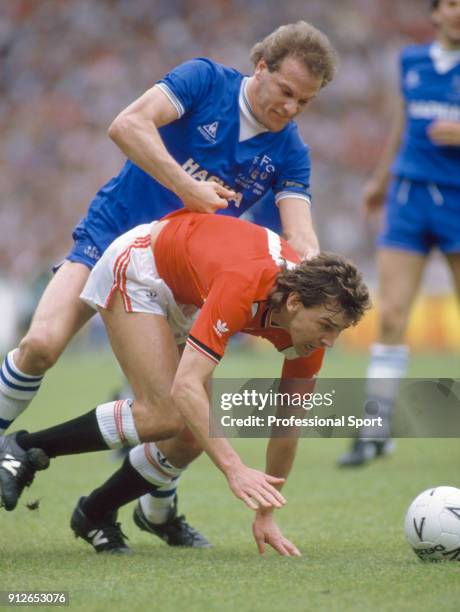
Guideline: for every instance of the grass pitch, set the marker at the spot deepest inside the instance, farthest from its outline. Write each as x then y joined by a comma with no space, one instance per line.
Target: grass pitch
348,524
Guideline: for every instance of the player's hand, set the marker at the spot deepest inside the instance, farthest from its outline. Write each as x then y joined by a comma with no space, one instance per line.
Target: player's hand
266,531
373,197
206,196
255,488
446,133
312,249
305,248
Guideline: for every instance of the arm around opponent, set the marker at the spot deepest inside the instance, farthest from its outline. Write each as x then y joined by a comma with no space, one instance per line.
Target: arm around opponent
298,227
135,132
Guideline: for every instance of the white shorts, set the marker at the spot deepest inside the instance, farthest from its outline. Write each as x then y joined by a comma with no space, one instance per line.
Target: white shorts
128,266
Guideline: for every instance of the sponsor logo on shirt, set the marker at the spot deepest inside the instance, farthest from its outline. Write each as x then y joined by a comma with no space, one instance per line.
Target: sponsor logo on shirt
221,328
209,131
201,174
428,109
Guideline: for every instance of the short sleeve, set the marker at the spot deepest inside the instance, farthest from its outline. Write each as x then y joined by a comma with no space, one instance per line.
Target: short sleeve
226,311
293,178
303,367
188,84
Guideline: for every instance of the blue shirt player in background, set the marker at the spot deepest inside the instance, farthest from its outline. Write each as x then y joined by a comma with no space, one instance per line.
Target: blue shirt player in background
422,209
205,137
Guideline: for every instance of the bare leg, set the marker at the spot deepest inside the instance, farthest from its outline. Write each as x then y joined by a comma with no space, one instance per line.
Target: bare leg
400,273
145,348
400,277
453,260
146,351
59,315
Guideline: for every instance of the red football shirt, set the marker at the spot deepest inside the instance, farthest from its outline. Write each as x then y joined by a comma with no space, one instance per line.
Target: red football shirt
227,267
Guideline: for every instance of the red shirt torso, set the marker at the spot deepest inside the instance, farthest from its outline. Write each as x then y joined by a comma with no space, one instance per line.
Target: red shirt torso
227,268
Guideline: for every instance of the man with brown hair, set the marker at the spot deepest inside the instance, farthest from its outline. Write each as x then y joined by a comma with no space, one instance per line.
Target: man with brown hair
148,287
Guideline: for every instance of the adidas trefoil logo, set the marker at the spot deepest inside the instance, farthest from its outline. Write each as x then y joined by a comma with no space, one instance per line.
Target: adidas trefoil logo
221,328
11,464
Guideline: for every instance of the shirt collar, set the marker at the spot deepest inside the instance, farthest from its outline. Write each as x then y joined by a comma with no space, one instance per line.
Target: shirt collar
443,59
246,109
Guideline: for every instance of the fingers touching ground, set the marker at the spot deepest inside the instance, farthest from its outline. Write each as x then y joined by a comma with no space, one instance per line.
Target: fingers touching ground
266,531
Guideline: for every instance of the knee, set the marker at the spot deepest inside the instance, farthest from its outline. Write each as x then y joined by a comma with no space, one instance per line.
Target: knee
393,320
38,350
155,420
171,426
161,429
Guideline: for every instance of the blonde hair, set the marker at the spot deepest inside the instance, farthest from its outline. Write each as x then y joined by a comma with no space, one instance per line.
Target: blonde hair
302,41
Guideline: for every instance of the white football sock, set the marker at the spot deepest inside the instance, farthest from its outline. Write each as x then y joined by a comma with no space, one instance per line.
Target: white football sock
17,390
387,365
116,423
152,465
157,504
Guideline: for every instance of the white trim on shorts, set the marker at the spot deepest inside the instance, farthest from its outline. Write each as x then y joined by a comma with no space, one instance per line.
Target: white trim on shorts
128,266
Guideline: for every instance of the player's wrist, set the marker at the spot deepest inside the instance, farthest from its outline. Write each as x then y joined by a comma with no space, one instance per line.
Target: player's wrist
185,187
264,513
230,466
311,243
305,245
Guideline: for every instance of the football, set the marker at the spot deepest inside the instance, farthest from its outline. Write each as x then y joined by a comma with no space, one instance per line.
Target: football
432,524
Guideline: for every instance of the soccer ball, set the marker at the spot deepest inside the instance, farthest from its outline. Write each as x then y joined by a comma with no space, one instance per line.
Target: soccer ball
432,524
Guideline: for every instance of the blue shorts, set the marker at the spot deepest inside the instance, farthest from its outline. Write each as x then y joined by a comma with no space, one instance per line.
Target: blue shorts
98,229
420,216
84,250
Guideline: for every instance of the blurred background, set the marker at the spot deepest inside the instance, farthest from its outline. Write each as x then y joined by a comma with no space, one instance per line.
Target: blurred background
68,67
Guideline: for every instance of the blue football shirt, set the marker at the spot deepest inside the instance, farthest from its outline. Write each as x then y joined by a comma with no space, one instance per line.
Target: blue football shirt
430,85
205,141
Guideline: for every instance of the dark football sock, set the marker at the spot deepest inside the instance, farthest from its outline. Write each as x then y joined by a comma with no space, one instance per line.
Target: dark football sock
81,435
121,488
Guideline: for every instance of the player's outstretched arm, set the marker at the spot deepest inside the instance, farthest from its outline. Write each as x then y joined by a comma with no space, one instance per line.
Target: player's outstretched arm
297,377
375,188
189,394
297,227
135,132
